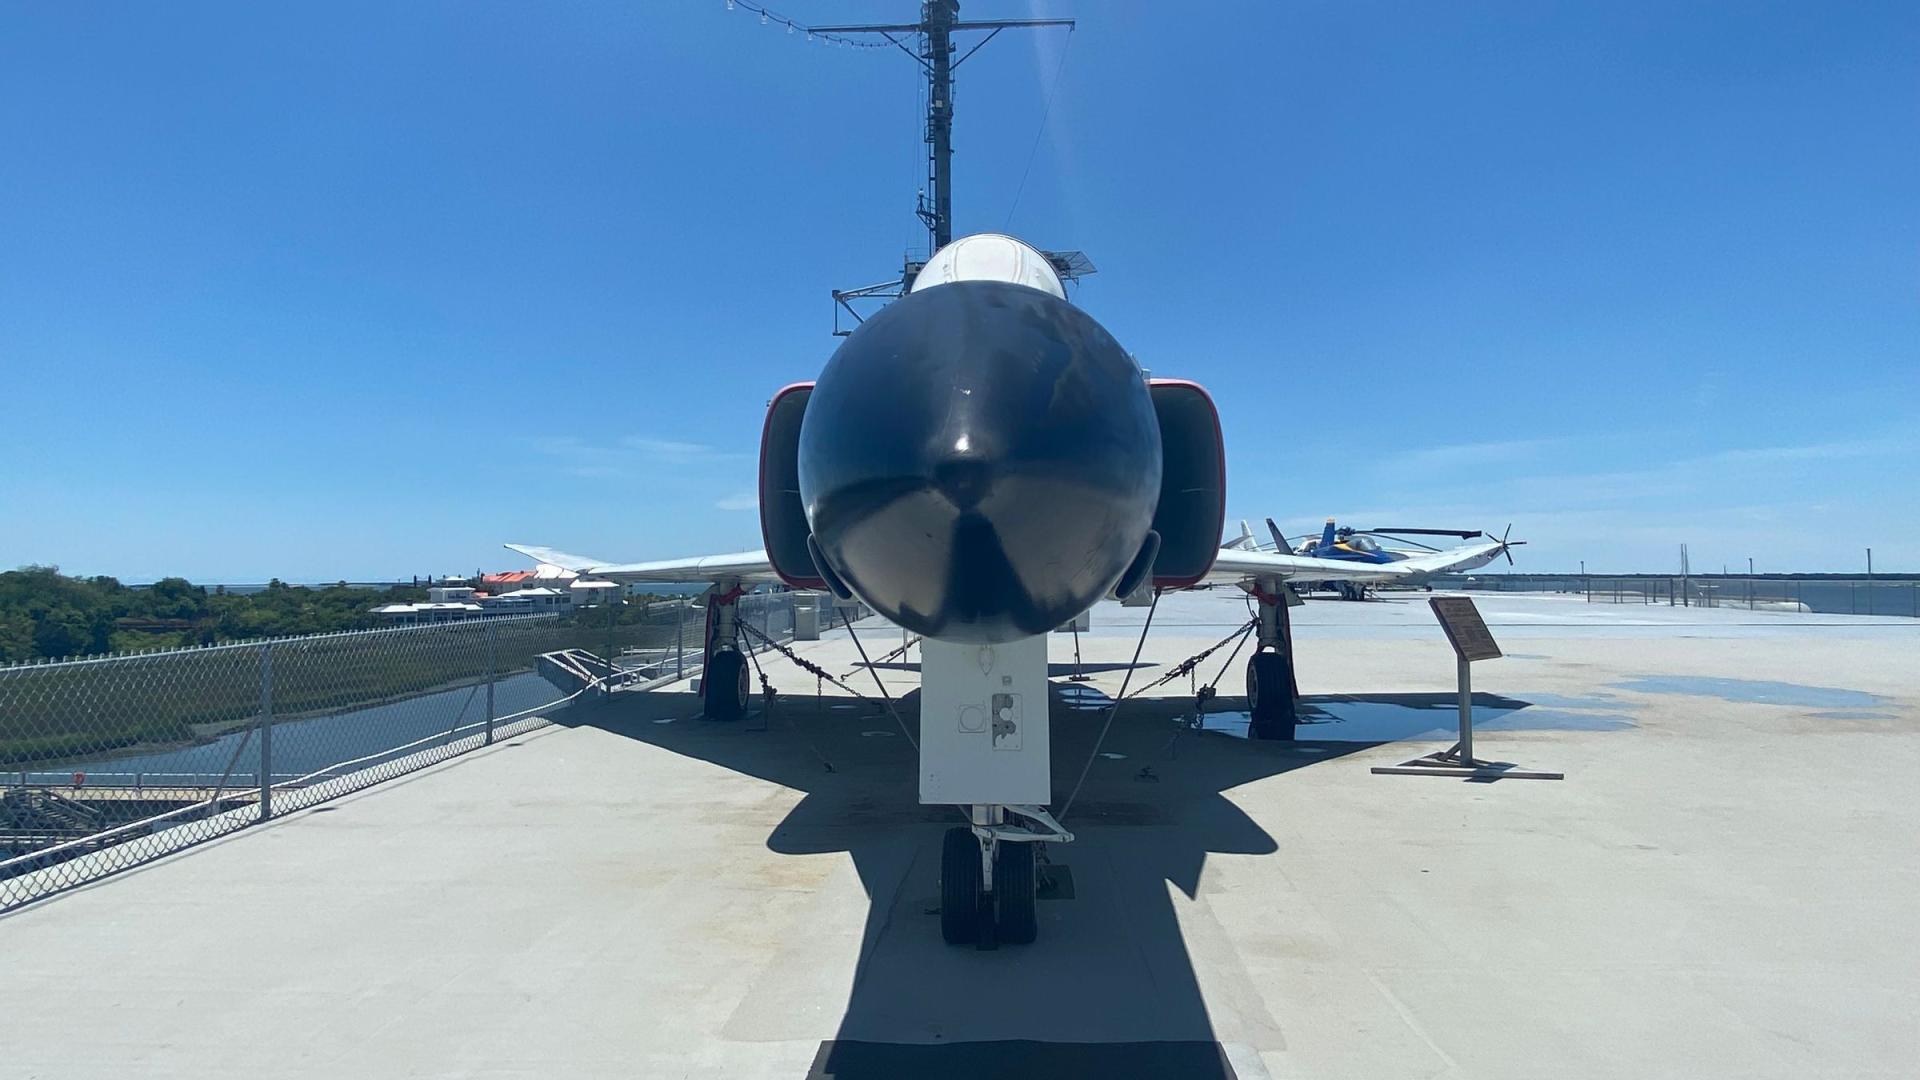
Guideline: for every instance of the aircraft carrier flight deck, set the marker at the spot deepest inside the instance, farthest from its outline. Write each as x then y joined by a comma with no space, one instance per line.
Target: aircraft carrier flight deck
1723,884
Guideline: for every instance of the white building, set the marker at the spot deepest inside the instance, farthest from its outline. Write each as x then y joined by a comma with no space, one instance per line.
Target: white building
556,595
431,611
537,600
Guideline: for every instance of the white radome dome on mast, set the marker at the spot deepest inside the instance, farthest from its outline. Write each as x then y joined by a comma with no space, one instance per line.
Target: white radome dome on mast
990,257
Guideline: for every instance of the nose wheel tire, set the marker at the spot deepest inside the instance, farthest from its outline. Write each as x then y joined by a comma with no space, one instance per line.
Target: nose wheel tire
969,915
1270,696
724,687
1014,888
960,887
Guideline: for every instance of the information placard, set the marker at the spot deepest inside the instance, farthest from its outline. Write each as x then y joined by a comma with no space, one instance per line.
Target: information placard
1465,628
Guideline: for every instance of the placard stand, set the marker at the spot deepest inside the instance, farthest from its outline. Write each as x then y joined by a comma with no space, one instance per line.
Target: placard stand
1471,641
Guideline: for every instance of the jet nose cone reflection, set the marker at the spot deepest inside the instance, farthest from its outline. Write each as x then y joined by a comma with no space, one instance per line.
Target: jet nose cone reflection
963,481
980,461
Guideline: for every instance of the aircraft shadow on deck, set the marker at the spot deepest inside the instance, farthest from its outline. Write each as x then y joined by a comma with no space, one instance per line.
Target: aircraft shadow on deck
1108,989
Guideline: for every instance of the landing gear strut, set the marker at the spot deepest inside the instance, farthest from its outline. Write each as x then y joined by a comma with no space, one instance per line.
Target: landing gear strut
1269,696
988,884
1272,691
724,686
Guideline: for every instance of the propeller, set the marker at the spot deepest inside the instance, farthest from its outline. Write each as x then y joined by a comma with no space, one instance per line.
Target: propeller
1506,543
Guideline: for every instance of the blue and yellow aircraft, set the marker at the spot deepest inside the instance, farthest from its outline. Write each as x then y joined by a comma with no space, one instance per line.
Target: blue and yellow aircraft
1359,545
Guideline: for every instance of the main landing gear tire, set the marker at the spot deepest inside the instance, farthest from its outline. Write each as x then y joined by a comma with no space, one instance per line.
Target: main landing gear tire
1015,889
1268,696
960,887
724,687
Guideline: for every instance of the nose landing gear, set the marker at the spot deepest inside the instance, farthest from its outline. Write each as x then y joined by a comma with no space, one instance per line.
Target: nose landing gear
988,884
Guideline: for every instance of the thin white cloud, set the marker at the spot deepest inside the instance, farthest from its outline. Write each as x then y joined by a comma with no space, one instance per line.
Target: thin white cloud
627,456
745,500
1829,451
1705,476
671,450
556,445
1703,480
1467,455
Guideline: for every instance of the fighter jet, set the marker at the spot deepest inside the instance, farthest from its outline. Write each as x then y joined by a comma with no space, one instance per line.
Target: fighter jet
980,462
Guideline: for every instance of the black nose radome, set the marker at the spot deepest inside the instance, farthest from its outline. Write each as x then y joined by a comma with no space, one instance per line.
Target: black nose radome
964,481
980,461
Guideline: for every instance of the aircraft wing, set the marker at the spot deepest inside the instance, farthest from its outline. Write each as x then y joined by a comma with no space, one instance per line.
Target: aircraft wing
1231,564
1464,557
1237,565
749,566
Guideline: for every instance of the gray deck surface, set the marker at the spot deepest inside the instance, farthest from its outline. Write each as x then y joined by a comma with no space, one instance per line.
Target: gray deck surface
1725,885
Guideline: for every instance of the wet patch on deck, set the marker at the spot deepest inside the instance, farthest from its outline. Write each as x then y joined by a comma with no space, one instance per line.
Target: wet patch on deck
1599,700
1396,717
1752,691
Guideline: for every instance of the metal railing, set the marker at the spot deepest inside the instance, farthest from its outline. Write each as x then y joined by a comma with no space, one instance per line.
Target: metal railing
111,761
1813,594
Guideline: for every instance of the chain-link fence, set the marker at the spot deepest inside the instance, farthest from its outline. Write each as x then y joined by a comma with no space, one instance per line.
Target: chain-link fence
1789,593
664,639
116,760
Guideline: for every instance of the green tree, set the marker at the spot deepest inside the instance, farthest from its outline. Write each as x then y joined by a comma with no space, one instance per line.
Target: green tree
62,631
16,637
44,613
174,598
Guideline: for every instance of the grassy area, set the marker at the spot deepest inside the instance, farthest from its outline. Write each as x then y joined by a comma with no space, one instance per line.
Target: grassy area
54,711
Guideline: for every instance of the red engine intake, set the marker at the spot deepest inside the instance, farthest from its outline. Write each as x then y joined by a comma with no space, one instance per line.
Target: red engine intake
783,518
1193,483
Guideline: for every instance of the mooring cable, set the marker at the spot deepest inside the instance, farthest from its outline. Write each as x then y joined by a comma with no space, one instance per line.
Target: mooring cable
875,672
766,690
1190,663
901,651
1112,709
803,663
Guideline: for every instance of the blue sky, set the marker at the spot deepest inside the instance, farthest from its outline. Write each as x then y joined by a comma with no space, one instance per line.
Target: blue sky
362,290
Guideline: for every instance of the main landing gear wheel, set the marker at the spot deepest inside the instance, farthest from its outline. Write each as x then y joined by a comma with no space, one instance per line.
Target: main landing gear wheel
1269,696
724,687
960,887
1015,890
